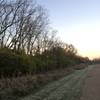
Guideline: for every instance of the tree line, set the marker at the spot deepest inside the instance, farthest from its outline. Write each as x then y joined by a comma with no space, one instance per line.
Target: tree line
27,43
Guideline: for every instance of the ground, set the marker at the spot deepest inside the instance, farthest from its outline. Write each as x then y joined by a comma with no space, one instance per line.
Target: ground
71,87
91,88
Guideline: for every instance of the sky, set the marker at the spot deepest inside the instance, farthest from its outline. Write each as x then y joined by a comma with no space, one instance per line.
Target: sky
77,23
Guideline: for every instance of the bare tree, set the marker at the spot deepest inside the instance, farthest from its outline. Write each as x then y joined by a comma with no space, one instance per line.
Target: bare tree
8,17
21,24
24,26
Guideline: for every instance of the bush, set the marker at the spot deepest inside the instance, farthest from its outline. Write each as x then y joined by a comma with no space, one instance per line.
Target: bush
15,63
11,63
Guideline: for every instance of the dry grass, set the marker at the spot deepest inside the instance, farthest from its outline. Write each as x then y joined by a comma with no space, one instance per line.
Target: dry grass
66,88
80,66
12,88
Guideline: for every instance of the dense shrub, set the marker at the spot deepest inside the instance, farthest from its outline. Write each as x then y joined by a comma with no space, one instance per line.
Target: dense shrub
15,63
11,63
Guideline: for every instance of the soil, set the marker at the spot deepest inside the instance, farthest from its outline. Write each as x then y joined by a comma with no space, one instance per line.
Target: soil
91,88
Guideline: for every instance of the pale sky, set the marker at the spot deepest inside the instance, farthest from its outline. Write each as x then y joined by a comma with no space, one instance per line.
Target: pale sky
77,22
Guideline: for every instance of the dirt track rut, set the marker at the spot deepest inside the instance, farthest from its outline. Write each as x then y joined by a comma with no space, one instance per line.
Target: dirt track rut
67,88
91,88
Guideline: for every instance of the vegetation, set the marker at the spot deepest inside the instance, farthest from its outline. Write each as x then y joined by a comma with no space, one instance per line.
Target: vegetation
96,61
28,46
13,88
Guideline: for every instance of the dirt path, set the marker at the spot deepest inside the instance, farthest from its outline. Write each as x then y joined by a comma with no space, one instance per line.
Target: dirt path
67,88
91,88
